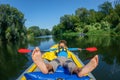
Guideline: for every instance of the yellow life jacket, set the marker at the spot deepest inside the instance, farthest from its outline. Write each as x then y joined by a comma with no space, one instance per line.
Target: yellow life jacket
52,55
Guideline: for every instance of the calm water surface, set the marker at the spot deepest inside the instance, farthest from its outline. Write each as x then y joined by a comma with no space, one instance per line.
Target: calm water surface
12,63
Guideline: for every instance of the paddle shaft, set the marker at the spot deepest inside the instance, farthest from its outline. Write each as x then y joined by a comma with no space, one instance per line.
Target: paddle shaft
23,50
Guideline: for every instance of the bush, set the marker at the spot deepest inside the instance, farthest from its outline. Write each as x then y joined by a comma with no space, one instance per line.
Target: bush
97,26
117,29
105,25
86,29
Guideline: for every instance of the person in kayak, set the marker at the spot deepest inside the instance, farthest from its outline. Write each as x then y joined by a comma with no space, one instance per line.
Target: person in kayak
46,66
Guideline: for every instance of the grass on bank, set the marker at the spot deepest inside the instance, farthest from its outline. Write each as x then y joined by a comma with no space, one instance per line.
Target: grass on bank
98,32
71,34
94,32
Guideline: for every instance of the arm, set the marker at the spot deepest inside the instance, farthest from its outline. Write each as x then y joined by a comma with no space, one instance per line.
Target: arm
74,49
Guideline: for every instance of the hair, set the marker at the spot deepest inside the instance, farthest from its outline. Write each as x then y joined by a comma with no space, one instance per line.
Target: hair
63,41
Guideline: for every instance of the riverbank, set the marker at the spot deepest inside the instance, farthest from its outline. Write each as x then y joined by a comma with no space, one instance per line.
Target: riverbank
71,34
99,32
94,32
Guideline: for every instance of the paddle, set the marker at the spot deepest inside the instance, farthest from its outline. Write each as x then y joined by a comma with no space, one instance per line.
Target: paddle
91,49
24,51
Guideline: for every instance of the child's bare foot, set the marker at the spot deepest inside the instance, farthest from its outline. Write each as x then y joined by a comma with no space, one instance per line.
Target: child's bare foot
89,67
37,58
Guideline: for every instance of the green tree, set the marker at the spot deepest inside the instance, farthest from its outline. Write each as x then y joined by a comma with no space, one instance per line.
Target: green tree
47,32
69,23
105,25
99,16
106,19
117,29
57,29
82,13
105,7
11,23
34,30
117,9
91,16
113,18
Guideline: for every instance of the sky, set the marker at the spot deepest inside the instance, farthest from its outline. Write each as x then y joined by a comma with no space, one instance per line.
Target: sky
47,13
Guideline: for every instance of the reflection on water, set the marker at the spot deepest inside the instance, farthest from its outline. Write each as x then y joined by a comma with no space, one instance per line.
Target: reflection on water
108,51
12,63
43,37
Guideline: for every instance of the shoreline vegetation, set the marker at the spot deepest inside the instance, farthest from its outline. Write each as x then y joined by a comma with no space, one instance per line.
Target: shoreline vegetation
105,21
12,25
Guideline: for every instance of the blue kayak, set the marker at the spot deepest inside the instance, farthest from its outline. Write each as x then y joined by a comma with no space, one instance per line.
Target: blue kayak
33,73
60,74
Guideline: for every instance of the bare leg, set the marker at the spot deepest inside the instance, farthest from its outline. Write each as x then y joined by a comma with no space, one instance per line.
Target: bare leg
88,67
49,67
37,58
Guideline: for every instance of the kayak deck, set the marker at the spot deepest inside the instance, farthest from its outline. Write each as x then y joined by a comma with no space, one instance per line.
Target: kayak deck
60,74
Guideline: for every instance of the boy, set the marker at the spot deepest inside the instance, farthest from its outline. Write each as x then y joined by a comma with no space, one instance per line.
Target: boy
62,60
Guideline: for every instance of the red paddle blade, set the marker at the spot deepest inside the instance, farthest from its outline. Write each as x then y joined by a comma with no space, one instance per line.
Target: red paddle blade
91,49
24,50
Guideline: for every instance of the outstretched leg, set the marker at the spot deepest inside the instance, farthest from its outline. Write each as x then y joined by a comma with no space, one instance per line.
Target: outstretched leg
37,59
88,67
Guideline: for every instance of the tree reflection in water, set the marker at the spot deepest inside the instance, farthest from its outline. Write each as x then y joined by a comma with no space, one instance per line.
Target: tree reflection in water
12,63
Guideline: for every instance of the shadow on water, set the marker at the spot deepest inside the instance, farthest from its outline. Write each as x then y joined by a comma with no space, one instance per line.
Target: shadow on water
108,51
11,62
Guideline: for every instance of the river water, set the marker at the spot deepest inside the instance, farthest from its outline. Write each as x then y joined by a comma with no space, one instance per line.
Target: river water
12,63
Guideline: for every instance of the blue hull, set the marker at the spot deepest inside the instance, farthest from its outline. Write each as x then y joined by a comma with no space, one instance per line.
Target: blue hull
60,74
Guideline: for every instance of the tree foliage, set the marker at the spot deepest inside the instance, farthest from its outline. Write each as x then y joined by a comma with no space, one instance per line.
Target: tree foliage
105,7
107,18
11,23
35,31
82,13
